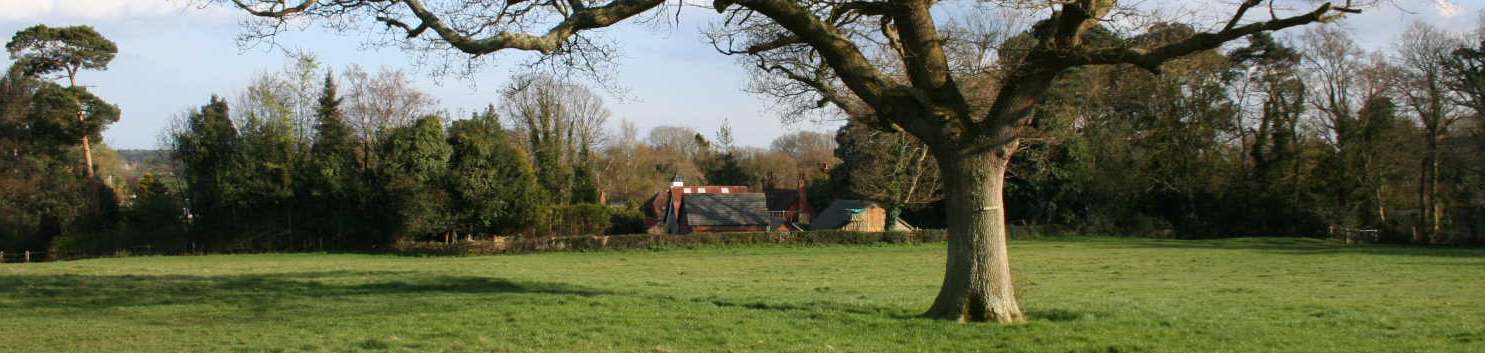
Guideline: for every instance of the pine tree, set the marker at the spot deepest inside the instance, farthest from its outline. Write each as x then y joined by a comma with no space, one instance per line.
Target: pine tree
330,188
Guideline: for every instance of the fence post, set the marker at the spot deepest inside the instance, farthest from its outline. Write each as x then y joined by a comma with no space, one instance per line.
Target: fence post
28,256
2,256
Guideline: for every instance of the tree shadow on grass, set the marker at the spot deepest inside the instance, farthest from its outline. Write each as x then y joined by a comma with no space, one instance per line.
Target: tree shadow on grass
88,292
1302,246
1058,315
898,313
810,307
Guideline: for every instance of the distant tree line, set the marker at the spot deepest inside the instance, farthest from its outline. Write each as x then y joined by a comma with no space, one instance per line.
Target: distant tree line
1274,136
264,176
1296,136
306,159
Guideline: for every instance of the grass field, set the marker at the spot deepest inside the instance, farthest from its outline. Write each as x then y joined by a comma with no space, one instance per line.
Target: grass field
1083,295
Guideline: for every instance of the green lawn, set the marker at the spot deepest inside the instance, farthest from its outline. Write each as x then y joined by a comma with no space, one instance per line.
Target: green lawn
1083,295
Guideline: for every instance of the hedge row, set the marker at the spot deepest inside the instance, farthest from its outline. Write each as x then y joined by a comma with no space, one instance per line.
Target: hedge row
665,241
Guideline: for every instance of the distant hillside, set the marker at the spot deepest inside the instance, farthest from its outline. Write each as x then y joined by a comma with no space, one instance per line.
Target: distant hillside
139,162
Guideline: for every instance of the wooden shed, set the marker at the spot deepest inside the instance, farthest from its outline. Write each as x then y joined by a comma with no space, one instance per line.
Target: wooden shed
855,215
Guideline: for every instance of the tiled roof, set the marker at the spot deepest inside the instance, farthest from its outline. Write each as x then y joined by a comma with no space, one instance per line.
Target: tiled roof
736,209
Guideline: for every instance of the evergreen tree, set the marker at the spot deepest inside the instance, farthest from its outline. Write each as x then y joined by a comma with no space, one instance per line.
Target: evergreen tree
43,51
584,188
329,188
46,194
155,216
725,169
267,145
492,183
207,151
413,180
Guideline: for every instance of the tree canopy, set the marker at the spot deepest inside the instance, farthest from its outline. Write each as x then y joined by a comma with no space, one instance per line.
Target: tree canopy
43,50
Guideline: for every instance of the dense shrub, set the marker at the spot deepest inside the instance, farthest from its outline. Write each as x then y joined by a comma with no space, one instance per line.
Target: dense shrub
626,221
577,219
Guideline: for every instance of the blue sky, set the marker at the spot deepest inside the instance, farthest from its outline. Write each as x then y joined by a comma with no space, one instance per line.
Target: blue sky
173,57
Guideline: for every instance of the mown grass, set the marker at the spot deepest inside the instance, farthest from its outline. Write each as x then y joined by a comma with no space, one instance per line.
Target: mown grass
1083,295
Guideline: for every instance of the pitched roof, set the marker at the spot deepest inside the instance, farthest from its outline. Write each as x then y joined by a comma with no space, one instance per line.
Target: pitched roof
735,209
839,213
654,207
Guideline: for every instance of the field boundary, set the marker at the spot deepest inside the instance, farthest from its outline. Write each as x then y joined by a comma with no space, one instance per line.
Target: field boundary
499,246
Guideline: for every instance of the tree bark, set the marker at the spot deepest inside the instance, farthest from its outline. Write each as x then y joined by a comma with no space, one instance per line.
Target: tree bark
1428,203
977,281
87,155
81,119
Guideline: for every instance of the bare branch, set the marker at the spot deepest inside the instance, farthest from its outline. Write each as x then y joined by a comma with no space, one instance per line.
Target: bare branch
275,9
843,56
581,19
1152,59
1242,9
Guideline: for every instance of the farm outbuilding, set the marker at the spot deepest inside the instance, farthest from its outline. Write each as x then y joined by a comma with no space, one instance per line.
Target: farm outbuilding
856,215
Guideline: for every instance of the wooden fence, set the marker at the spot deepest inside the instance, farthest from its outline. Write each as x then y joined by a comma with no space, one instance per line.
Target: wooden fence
23,256
1356,236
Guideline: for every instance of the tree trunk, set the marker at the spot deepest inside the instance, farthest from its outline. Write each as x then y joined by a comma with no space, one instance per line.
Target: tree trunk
1428,189
81,119
977,280
87,153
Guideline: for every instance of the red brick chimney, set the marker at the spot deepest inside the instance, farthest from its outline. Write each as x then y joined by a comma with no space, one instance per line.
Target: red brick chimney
803,205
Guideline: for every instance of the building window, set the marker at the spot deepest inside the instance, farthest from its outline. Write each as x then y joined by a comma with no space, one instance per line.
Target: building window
687,190
724,190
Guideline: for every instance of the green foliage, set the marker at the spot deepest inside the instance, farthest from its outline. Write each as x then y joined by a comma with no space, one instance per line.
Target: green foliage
268,147
1119,150
43,50
44,194
54,114
493,184
576,219
583,188
330,187
413,179
155,215
627,220
725,169
206,148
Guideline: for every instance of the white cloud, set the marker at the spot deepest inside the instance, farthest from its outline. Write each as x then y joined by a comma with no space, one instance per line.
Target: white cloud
25,9
1446,8
94,10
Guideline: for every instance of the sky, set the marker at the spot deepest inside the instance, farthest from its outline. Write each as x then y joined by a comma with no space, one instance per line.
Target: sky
173,56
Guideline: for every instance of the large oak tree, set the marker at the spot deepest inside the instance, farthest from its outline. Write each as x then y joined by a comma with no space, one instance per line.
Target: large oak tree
883,63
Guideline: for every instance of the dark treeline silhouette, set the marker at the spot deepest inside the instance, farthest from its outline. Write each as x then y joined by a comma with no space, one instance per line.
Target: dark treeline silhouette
1273,136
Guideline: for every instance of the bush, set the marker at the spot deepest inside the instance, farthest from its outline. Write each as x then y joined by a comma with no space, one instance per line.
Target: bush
578,219
626,221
